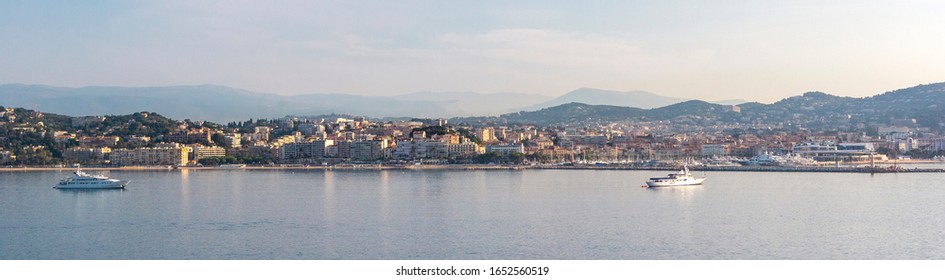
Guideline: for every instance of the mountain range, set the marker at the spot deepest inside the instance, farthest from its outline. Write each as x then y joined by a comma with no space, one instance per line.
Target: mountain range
919,106
224,104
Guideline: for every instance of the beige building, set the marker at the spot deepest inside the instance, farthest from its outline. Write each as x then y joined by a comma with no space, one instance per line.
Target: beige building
86,155
463,149
164,154
201,151
368,150
486,134
505,149
709,150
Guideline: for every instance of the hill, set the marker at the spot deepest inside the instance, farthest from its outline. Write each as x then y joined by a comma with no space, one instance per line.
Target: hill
591,96
809,111
223,104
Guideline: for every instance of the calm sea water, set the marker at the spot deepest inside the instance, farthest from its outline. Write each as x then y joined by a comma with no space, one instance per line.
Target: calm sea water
531,214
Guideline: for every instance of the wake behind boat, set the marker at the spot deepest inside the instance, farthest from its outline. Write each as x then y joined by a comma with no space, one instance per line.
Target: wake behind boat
681,178
82,180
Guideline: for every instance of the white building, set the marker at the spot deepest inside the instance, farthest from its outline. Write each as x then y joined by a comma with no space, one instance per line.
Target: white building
314,149
709,150
421,149
368,150
463,149
201,151
506,149
164,154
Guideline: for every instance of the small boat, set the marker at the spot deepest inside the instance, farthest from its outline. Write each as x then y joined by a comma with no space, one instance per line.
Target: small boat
82,180
681,178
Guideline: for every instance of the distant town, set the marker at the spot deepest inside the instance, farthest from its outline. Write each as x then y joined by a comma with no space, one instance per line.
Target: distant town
31,138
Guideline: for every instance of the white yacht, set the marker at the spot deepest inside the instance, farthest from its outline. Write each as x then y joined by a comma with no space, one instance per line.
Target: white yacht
763,160
82,180
681,178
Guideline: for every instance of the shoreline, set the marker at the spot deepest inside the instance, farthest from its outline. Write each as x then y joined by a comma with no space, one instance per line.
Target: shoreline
818,169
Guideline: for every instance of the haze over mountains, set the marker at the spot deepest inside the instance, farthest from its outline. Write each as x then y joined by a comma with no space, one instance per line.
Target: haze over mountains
924,103
224,104
918,106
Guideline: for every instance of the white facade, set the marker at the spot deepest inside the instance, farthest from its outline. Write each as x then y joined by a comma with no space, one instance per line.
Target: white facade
462,149
368,150
505,149
205,152
165,155
709,150
314,149
421,149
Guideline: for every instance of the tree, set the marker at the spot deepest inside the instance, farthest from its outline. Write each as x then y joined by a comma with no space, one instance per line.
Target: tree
218,139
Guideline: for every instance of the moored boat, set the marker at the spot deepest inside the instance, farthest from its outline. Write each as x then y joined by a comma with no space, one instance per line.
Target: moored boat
82,180
681,178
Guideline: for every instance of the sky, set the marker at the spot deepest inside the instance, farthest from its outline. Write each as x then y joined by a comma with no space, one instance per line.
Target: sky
711,50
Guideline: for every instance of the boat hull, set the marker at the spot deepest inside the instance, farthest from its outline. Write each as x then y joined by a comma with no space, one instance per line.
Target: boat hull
694,182
103,186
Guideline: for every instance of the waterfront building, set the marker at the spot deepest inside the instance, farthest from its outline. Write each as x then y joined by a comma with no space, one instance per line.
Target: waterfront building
420,150
556,154
341,149
368,150
506,148
710,150
463,149
163,154
86,155
314,149
844,152
200,152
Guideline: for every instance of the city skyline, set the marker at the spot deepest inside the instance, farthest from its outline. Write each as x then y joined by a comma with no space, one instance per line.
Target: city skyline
763,51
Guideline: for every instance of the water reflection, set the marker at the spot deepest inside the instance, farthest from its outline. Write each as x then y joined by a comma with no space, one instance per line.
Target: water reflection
89,191
329,202
185,194
385,194
683,193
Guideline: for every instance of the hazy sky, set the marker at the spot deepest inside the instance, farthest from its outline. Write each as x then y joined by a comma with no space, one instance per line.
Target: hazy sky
756,50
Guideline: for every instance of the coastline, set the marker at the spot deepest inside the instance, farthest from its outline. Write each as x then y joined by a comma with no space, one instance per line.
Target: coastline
840,169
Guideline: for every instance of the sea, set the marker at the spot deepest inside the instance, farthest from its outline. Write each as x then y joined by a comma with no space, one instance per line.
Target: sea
319,214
